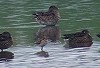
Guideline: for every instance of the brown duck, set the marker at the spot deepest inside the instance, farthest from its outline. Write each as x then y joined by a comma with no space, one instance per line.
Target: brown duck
5,40
79,38
51,17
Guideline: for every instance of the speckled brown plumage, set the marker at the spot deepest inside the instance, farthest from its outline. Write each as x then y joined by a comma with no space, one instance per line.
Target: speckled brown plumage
77,34
51,17
5,40
42,42
83,37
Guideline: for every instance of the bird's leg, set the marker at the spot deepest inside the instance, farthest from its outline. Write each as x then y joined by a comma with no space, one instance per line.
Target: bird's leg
42,48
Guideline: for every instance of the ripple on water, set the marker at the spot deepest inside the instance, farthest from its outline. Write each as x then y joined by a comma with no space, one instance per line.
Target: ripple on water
24,56
18,14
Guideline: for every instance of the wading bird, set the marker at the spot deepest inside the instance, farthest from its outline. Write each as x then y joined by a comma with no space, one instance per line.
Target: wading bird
42,42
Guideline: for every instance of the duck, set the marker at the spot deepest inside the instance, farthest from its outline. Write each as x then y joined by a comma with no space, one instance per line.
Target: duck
98,35
5,40
79,37
49,18
42,42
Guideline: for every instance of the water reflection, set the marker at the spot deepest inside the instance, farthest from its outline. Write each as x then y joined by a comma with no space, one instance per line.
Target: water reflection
75,45
6,55
42,54
51,32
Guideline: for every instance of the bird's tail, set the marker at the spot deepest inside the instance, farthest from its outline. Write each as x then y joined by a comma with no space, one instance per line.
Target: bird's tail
35,15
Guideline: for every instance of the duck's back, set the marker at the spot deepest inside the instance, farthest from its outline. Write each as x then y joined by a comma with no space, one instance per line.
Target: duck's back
6,43
83,39
47,18
51,17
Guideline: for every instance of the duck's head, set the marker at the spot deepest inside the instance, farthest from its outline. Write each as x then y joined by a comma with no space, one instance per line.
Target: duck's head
85,31
6,34
53,8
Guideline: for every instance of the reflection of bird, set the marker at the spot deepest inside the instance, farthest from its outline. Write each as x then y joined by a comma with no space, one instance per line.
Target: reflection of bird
42,42
5,40
51,17
98,35
79,37
42,54
5,55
